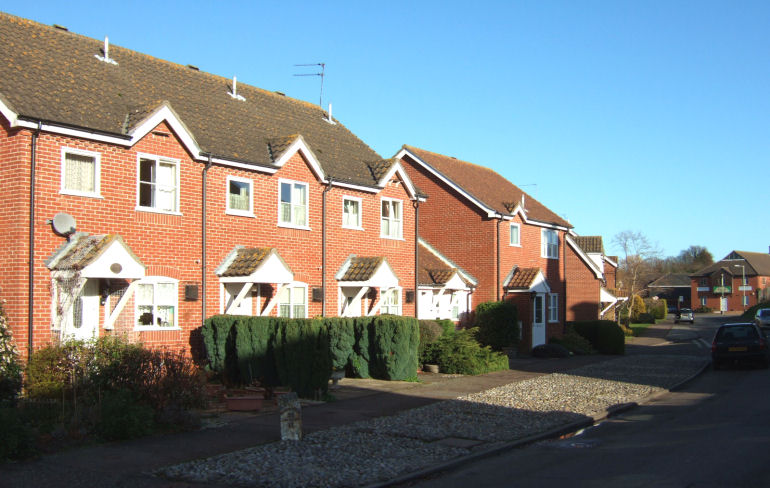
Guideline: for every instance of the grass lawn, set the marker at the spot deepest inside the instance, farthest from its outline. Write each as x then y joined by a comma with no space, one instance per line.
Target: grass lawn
639,329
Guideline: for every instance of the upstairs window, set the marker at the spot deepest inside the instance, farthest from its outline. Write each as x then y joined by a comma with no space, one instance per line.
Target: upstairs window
391,219
293,204
158,184
351,213
80,172
550,244
515,235
239,201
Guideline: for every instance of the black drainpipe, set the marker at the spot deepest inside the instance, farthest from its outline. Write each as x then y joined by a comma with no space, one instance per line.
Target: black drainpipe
416,205
203,240
323,247
498,285
31,301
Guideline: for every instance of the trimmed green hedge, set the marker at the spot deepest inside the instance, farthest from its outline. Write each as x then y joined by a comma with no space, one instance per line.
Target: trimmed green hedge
301,353
604,335
497,323
460,353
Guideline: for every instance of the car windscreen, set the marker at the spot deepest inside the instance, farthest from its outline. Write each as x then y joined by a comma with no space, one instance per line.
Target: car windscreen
765,312
736,334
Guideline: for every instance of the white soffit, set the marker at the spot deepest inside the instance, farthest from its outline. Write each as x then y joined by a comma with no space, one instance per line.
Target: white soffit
116,261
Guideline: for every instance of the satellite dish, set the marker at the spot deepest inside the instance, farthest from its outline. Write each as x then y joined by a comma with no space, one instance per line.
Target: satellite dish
63,224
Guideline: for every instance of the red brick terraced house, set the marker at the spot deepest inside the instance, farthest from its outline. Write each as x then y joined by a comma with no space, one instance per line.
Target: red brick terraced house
590,279
143,196
739,281
512,244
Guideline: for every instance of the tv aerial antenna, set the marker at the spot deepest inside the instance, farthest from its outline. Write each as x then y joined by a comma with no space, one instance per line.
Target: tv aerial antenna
320,73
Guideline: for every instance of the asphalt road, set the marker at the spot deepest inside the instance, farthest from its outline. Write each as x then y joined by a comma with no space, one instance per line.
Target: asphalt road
714,432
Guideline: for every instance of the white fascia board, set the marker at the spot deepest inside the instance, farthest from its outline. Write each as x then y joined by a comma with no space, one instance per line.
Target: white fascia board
300,145
589,262
237,164
398,168
116,252
545,224
338,276
353,186
10,115
447,261
610,262
455,283
79,133
164,113
491,213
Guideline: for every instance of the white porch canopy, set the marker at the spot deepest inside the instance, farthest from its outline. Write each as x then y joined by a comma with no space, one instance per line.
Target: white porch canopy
365,273
249,266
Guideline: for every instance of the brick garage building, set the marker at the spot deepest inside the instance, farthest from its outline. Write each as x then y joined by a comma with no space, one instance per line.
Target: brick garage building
511,243
193,195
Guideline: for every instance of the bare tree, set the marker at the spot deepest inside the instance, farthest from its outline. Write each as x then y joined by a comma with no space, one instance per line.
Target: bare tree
638,256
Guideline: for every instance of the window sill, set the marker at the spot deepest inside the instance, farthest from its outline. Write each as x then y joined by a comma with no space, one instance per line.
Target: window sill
352,228
549,257
80,194
154,210
392,238
292,226
154,329
514,245
236,213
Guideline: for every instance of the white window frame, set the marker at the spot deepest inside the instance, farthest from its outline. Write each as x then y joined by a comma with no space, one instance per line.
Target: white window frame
386,307
548,249
745,300
518,235
391,220
290,288
154,281
97,172
360,202
703,301
158,160
292,225
234,211
553,307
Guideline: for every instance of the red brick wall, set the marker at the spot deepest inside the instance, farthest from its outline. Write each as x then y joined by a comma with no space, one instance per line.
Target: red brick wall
171,245
582,289
734,299
463,233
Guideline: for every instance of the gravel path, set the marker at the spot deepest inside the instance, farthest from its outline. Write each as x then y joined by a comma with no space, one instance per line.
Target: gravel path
383,448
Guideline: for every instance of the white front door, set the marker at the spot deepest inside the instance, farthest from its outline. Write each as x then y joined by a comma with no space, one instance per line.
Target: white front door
85,312
538,320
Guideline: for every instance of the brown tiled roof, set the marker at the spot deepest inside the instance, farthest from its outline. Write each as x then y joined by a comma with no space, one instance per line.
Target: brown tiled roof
591,244
671,280
246,261
83,251
756,263
432,270
362,268
487,186
523,278
52,75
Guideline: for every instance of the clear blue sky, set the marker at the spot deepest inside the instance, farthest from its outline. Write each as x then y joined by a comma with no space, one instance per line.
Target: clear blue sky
648,115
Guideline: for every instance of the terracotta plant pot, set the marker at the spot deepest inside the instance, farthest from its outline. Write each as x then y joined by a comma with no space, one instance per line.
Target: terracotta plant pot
244,403
430,368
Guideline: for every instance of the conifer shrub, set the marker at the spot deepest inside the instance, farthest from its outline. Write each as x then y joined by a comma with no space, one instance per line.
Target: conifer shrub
430,330
361,347
461,353
394,346
447,325
497,324
303,359
574,342
342,339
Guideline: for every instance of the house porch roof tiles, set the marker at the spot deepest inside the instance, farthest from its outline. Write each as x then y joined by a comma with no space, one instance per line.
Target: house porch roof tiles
362,268
523,278
83,249
53,75
246,261
488,186
432,270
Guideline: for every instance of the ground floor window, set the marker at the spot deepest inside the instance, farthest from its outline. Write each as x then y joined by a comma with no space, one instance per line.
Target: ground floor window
553,307
391,301
292,301
156,302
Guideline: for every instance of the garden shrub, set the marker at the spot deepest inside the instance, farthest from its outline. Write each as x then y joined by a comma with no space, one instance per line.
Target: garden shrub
448,326
661,310
574,342
460,353
215,333
17,438
124,417
645,318
497,324
430,330
394,346
362,347
341,341
303,359
637,307
253,340
604,335
10,364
